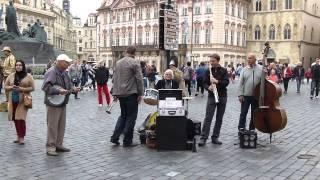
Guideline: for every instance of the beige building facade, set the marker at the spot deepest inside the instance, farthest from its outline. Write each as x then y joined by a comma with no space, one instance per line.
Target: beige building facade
87,39
291,26
212,26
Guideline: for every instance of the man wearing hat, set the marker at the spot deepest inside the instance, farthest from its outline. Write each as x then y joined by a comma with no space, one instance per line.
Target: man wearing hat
8,65
56,114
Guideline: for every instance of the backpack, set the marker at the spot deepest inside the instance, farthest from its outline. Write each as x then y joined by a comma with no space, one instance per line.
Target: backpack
187,73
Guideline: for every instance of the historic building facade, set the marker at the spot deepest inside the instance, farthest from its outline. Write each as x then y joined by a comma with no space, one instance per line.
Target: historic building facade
122,23
212,26
291,26
87,38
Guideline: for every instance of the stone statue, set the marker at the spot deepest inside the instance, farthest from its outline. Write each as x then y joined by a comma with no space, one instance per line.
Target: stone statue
27,32
1,12
11,20
37,31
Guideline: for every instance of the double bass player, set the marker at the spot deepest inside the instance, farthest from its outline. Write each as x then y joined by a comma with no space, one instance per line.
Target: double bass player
250,77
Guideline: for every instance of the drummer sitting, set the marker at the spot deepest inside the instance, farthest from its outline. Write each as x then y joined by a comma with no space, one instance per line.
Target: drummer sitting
167,82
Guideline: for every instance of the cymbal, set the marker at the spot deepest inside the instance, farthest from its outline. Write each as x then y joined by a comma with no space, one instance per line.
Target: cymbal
188,98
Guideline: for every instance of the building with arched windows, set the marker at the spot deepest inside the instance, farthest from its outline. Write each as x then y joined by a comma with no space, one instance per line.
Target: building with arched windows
289,25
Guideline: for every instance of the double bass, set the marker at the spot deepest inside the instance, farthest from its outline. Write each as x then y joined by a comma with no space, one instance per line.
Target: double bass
269,117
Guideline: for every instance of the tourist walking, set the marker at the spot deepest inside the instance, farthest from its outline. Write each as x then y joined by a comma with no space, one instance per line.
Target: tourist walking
102,77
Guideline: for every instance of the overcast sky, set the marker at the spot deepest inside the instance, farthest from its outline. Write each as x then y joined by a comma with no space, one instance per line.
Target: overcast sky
81,8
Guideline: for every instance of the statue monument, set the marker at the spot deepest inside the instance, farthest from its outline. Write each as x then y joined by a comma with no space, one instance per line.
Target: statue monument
31,44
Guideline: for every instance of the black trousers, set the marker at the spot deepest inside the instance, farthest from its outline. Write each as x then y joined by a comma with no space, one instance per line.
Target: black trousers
315,86
200,85
286,83
211,107
127,119
188,84
248,101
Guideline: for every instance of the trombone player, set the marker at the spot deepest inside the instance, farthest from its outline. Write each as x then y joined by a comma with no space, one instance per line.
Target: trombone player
215,82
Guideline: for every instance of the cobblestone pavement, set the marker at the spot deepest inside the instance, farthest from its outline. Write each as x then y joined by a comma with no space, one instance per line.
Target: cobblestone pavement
93,157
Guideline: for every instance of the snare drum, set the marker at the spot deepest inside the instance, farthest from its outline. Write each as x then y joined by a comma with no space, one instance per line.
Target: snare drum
151,97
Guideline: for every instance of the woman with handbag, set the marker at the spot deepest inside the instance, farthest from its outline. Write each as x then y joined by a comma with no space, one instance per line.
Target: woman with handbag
19,84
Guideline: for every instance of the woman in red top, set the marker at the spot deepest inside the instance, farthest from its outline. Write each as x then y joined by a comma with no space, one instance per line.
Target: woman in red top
286,76
308,75
273,76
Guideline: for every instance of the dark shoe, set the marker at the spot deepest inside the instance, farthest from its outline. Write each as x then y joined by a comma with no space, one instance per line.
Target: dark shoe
16,141
21,143
52,153
216,141
130,145
76,98
202,142
115,142
62,149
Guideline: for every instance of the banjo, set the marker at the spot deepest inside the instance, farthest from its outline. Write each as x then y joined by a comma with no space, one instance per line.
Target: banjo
58,99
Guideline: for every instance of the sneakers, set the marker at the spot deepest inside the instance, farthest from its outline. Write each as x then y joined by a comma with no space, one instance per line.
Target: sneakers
202,142
100,105
62,149
115,142
317,97
52,153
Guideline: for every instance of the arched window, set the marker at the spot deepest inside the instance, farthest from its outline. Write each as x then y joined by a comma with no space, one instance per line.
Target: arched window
258,5
273,4
304,32
272,32
288,4
287,32
257,33
312,30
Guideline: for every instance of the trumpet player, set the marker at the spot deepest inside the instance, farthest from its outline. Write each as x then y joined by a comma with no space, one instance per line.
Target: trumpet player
215,82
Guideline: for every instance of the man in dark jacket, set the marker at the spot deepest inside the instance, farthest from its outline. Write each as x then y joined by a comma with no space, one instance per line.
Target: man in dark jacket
298,73
219,78
200,74
315,69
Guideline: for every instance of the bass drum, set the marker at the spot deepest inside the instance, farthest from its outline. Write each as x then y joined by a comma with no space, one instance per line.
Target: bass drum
151,97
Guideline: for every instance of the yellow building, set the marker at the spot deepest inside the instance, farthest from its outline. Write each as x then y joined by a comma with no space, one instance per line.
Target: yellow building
291,26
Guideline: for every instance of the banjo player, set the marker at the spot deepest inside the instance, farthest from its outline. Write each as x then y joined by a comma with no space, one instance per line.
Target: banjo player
57,83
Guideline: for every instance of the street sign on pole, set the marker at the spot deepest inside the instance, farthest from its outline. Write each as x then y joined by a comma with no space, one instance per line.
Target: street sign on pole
168,28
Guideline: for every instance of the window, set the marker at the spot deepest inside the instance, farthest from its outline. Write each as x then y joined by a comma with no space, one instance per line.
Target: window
111,18
232,37
208,8
312,30
287,32
86,33
118,17
226,36
238,38
111,38
90,33
123,40
258,5
117,39
130,15
244,44
197,35
79,32
140,13
124,19
85,45
272,32
257,33
130,38
148,13
156,12
91,45
155,37
288,4
184,38
140,37
232,9
239,11
147,38
80,49
208,35
273,4
80,40
245,13
184,11
227,7
104,39
197,10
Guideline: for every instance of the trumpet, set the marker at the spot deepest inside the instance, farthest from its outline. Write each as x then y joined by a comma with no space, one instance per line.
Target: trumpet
214,87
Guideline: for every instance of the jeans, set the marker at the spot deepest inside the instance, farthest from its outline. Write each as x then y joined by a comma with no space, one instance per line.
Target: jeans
286,83
248,100
145,82
298,79
127,119
84,80
211,107
200,85
188,84
75,84
315,86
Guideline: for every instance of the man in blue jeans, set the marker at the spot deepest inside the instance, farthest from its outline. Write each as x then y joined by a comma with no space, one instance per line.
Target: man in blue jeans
128,88
250,77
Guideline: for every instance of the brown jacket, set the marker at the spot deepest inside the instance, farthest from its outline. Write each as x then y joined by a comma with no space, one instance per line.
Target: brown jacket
28,84
127,78
9,65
